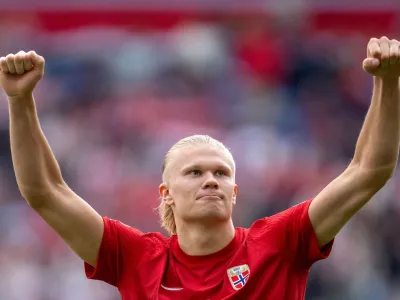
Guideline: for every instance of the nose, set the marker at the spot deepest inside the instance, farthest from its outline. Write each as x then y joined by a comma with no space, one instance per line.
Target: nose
210,182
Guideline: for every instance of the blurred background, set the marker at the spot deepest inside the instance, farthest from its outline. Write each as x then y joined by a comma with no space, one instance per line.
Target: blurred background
279,82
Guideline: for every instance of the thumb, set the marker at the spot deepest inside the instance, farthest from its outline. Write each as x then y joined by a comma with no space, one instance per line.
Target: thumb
371,64
37,60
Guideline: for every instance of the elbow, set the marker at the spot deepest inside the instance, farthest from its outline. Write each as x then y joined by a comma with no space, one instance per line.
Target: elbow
35,202
37,197
382,178
375,178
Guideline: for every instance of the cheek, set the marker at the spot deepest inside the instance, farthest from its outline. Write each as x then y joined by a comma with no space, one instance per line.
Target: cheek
182,194
187,187
229,187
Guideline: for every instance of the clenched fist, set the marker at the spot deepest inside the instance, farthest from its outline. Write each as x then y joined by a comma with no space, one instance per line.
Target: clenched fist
383,58
20,73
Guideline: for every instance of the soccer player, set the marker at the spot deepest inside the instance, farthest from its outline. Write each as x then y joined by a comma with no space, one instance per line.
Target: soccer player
205,257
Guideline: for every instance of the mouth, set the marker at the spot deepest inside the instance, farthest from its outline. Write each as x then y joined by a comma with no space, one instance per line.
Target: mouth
211,197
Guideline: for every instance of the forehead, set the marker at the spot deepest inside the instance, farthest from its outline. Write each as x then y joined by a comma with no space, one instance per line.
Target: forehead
203,155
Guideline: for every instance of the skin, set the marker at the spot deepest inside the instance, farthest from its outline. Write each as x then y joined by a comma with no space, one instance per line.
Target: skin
204,225
377,148
204,222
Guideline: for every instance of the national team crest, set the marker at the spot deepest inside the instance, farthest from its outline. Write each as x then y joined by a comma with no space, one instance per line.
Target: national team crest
238,276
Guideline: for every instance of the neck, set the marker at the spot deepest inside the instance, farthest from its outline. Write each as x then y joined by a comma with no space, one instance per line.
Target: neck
197,239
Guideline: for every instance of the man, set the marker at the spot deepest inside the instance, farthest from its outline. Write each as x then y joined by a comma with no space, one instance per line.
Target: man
206,257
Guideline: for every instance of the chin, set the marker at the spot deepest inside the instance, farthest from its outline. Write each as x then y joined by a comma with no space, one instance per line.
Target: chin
208,213
213,215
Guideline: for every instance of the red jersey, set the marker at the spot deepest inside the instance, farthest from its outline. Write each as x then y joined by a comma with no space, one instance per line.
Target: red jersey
269,260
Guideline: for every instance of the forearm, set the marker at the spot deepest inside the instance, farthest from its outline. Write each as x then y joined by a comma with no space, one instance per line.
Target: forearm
378,145
35,166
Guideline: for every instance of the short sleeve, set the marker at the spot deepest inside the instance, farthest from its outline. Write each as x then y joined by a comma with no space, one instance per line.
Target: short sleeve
302,238
292,233
118,241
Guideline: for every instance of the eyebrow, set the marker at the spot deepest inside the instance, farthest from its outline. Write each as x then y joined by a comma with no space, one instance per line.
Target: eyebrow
197,166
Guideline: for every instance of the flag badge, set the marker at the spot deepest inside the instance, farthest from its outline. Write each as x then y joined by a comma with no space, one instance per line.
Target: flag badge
238,276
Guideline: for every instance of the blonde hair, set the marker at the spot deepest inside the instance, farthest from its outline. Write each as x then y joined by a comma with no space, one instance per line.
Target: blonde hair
164,210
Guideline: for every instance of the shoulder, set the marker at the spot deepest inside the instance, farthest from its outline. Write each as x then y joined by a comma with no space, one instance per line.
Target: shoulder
131,236
156,239
282,221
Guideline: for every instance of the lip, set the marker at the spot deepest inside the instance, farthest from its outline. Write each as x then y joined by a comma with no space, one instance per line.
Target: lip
217,197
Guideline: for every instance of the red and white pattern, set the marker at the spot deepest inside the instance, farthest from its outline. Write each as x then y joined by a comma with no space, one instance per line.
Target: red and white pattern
238,276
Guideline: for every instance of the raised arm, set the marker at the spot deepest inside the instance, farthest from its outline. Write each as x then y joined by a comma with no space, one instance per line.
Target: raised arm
377,147
37,172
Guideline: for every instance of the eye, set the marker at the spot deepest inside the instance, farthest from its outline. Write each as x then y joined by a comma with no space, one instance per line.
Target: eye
195,172
220,173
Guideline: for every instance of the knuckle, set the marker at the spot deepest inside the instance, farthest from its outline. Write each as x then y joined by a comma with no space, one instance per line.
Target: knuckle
384,38
375,52
19,58
373,47
10,57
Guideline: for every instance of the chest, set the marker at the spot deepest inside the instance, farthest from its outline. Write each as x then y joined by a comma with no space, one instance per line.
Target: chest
245,274
249,273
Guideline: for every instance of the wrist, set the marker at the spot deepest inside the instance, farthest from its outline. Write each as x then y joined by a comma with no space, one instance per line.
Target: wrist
17,99
391,82
21,103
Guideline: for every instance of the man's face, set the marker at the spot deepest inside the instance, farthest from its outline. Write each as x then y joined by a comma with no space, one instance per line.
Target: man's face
200,183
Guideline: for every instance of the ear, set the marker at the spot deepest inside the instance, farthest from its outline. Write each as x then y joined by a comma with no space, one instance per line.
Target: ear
235,189
164,194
